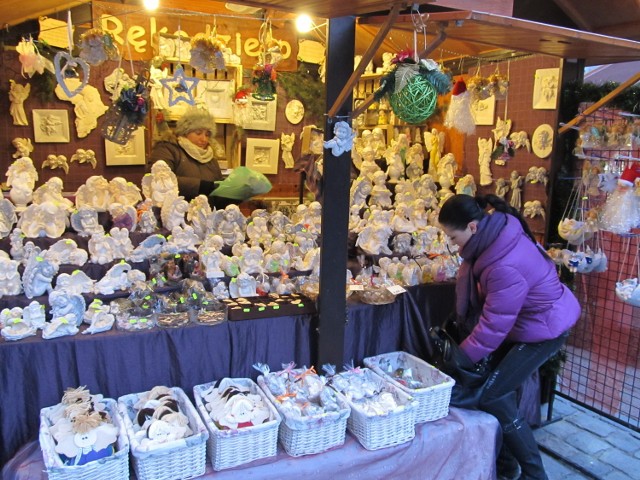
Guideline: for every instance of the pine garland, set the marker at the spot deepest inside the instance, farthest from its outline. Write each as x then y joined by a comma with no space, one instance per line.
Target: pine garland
575,93
306,86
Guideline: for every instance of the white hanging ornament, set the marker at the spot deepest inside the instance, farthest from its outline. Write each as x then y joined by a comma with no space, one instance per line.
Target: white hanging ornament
459,114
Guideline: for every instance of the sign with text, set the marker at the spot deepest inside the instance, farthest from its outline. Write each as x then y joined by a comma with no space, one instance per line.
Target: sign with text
136,32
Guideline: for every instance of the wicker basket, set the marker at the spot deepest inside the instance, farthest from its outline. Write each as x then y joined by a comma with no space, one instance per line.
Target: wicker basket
180,459
433,400
230,448
313,434
381,431
113,467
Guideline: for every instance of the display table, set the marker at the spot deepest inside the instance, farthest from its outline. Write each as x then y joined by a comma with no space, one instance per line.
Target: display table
460,446
34,373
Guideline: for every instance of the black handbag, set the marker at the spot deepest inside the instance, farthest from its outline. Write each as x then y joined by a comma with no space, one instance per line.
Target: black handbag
470,377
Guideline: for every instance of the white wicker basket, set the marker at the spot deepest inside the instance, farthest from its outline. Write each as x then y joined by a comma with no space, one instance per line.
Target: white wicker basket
433,400
314,434
381,431
230,448
114,467
180,459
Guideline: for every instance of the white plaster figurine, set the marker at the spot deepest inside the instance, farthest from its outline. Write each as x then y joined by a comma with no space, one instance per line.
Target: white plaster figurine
126,193
17,95
342,140
94,193
21,177
23,147
485,147
516,190
160,184
286,142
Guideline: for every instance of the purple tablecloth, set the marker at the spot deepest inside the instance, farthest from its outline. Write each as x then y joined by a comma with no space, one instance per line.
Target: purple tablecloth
460,446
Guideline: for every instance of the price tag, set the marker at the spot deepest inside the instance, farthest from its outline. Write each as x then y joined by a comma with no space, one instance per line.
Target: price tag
356,287
396,289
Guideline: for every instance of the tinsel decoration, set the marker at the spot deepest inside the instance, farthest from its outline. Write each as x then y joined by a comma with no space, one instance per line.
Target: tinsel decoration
459,114
207,53
479,87
97,46
128,112
413,87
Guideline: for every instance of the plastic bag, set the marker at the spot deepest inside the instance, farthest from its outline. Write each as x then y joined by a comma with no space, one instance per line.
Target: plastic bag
241,184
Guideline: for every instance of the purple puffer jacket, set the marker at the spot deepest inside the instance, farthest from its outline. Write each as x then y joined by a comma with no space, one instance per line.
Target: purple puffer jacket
521,296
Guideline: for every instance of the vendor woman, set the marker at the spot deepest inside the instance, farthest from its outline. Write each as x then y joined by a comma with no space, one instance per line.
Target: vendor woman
192,153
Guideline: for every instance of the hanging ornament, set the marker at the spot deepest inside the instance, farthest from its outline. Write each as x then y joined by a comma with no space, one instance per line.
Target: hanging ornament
207,52
128,112
498,84
71,68
504,147
31,60
97,46
264,72
180,87
459,114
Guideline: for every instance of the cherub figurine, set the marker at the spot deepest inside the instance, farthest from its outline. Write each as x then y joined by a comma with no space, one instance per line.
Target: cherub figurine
160,184
67,305
434,144
533,208
502,187
126,193
380,194
21,177
286,142
38,276
368,166
84,220
516,190
23,147
94,193
17,95
342,140
395,166
173,212
485,147
10,282
8,217
54,161
360,190
51,191
466,185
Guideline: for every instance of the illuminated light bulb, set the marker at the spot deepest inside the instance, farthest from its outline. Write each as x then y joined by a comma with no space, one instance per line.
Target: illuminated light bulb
151,4
304,23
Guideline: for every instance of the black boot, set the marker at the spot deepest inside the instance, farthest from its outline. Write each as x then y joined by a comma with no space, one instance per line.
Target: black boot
507,465
518,437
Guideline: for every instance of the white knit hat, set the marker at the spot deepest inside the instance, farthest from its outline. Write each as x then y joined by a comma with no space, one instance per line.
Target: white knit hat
194,119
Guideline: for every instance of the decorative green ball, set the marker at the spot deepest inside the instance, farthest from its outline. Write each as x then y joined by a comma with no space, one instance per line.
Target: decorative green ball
416,101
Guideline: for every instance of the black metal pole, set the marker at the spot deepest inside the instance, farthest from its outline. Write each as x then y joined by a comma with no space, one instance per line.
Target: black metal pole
332,303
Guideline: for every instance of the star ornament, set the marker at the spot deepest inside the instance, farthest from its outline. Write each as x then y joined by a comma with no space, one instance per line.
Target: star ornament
180,87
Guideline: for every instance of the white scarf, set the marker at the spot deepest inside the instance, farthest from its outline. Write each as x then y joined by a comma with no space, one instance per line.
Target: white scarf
202,155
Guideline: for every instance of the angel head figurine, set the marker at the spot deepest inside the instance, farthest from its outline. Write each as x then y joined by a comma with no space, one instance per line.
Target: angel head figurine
342,140
21,177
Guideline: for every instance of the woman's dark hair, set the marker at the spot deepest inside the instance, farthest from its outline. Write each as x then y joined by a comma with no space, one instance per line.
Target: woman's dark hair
459,210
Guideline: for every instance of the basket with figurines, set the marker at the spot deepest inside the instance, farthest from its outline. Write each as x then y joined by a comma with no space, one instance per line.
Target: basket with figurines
242,422
167,436
83,438
314,416
428,385
382,415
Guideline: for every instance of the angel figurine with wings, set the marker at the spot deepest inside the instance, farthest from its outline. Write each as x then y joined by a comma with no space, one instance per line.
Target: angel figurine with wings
434,143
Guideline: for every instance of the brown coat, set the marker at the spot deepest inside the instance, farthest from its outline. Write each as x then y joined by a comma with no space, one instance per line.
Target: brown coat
188,170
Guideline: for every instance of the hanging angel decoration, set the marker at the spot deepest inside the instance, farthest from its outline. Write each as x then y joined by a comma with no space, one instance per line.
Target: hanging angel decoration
503,145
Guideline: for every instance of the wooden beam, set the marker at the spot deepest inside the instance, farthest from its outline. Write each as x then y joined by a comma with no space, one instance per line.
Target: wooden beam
574,14
600,103
366,58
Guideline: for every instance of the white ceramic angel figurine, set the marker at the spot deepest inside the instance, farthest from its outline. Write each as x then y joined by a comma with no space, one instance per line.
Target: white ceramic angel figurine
34,314
8,217
120,242
360,190
123,216
77,282
65,304
126,193
502,187
342,140
533,208
251,260
160,183
84,156
434,144
380,194
17,95
313,217
54,161
401,221
87,105
278,223
21,177
38,275
378,142
258,232
447,167
23,147
101,249
51,191
198,214
521,140
114,280
94,193
418,213
182,240
485,147
66,251
10,281
155,91
466,186
84,221
516,190
286,142
374,238
277,258
244,285
395,166
46,219
119,79
147,221
16,238
226,225
401,244
173,212
15,327
368,166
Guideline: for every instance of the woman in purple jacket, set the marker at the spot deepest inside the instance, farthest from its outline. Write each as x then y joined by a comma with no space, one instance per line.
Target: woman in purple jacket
514,309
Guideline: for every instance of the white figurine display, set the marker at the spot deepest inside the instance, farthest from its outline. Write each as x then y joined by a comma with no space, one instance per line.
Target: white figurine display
342,141
182,240
21,177
395,165
258,232
360,191
380,194
116,279
151,246
401,221
485,147
147,221
378,142
123,216
368,167
121,245
160,184
286,142
251,260
94,193
198,214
